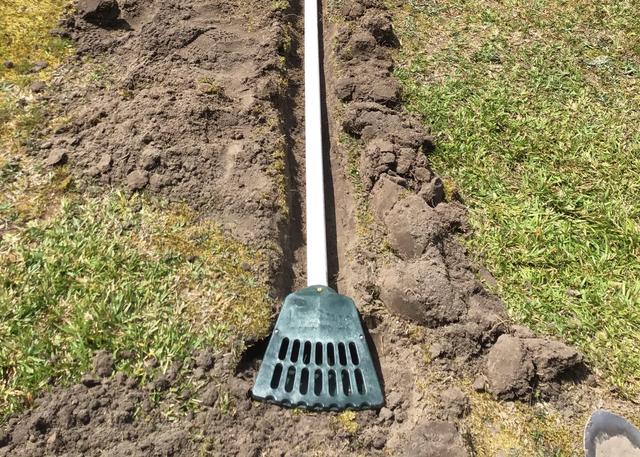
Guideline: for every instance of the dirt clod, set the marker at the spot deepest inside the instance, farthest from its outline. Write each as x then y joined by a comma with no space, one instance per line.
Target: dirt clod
352,10
366,87
517,366
385,414
39,66
379,441
38,86
99,12
151,362
479,384
209,396
433,191
56,157
421,291
204,360
455,404
137,180
362,44
104,164
510,371
199,373
384,196
150,159
89,380
162,383
103,364
552,359
394,400
379,25
413,226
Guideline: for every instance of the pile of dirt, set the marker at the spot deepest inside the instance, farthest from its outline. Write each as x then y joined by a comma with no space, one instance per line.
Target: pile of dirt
429,277
181,102
116,416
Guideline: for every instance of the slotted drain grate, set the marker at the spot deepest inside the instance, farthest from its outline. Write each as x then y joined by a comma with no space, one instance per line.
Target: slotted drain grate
308,372
318,357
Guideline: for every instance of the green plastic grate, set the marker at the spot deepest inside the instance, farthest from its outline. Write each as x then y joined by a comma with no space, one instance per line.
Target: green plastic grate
318,357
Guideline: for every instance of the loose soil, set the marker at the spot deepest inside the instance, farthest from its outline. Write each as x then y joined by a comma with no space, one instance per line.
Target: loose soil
181,102
201,102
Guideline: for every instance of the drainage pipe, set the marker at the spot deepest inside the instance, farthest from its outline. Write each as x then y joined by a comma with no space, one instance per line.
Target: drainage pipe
316,226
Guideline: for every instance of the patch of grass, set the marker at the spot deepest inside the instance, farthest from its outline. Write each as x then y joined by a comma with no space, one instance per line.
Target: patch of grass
517,429
29,195
25,38
119,274
113,273
277,171
280,5
364,218
536,109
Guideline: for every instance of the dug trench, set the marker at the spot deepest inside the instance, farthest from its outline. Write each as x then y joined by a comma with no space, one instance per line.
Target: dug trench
201,102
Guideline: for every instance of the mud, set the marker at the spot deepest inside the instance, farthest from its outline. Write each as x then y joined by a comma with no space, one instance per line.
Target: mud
197,102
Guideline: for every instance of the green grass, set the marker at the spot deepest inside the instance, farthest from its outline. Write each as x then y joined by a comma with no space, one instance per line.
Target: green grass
537,110
119,274
113,273
25,38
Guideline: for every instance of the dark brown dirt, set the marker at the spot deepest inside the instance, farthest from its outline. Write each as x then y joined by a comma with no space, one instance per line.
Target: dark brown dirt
182,102
187,101
116,417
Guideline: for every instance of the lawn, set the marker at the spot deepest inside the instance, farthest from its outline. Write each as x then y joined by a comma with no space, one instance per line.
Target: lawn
127,274
536,108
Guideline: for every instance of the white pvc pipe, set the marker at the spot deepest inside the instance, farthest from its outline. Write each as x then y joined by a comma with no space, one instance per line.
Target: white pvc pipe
316,229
